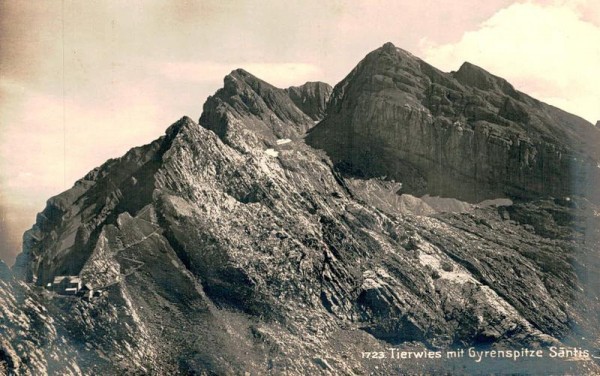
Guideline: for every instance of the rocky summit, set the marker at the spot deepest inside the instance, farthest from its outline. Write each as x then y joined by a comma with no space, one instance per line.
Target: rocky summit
373,228
465,134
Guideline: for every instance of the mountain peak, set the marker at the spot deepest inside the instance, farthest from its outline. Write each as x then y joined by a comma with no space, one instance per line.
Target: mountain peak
475,76
392,99
248,110
389,46
176,127
151,258
240,80
243,74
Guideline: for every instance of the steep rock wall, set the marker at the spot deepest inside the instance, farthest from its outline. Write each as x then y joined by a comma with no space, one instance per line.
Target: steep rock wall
466,134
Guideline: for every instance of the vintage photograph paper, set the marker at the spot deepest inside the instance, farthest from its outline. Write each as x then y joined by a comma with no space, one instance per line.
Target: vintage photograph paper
299,187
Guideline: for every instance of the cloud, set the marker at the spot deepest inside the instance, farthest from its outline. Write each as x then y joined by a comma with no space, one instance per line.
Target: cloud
278,74
549,50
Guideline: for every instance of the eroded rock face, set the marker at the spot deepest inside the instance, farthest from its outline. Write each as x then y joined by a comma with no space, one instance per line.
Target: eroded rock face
232,246
466,134
311,98
66,231
5,272
249,112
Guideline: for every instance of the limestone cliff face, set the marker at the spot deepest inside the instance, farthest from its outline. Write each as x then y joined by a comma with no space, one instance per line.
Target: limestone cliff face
311,98
232,246
249,112
67,230
466,134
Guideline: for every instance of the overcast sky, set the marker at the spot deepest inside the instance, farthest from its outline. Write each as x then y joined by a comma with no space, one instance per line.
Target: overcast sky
83,81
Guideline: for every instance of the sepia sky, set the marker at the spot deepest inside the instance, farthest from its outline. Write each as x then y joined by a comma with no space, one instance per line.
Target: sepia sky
82,81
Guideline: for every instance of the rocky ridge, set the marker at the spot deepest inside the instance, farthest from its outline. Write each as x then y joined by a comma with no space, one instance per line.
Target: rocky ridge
231,246
465,134
248,112
311,98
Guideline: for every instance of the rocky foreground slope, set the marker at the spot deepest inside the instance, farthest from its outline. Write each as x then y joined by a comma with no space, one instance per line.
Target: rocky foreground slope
230,246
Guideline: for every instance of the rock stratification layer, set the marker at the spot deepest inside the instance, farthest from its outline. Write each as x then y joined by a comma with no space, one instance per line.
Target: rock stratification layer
311,98
248,112
232,246
465,134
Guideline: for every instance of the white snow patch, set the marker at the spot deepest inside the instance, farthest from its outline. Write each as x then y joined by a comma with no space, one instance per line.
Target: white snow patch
495,202
430,260
457,275
283,141
272,152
